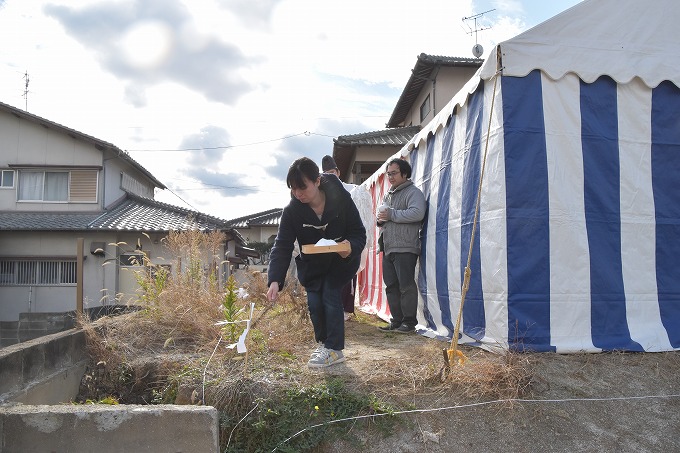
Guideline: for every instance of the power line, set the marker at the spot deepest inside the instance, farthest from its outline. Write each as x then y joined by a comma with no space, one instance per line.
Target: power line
183,200
222,147
208,186
216,187
208,148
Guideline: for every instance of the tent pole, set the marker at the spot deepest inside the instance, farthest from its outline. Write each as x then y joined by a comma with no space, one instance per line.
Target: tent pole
453,356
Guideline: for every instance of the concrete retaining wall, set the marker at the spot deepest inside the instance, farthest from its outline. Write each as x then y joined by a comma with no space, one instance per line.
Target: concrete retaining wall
45,370
108,429
34,325
37,375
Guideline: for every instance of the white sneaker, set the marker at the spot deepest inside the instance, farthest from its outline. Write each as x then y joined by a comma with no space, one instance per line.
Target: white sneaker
319,347
325,358
347,315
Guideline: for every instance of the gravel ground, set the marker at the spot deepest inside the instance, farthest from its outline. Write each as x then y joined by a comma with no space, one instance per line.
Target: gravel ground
609,402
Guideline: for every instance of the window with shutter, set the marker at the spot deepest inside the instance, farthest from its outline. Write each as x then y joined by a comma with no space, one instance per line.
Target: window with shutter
83,187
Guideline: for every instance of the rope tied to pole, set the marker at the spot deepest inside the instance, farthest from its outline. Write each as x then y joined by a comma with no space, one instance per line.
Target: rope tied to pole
453,355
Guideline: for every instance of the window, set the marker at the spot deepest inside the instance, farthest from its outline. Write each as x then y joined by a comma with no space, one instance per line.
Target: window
131,259
130,184
76,186
22,272
7,179
424,108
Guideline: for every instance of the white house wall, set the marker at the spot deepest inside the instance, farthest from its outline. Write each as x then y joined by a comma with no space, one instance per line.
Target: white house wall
25,142
449,80
29,143
56,298
104,281
113,167
259,234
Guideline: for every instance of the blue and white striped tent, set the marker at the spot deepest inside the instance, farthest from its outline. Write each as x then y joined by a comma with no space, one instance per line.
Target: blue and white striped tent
578,240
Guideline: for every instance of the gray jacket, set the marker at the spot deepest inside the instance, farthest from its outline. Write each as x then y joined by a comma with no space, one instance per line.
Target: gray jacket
401,232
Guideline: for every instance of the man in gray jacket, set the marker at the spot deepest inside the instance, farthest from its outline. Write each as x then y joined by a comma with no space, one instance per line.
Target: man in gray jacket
400,218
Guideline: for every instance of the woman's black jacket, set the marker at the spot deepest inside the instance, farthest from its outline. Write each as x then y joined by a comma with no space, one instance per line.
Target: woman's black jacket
340,220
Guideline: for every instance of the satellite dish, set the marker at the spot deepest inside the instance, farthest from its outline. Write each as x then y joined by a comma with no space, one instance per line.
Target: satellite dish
477,50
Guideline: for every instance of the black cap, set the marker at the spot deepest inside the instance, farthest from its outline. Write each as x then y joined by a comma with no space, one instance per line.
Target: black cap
328,163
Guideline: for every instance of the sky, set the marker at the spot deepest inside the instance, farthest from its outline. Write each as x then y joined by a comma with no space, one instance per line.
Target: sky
216,98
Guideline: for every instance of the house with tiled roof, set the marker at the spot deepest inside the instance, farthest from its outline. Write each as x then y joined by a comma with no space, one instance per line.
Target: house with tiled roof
433,82
258,227
358,156
59,185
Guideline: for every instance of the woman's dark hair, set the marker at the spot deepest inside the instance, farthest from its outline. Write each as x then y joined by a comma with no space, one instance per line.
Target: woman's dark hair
404,167
302,167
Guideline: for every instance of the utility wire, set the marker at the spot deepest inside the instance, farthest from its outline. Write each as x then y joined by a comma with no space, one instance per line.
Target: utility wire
207,148
483,403
183,200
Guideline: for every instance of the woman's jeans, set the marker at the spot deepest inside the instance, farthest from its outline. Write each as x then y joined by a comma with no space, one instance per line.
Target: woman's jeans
327,315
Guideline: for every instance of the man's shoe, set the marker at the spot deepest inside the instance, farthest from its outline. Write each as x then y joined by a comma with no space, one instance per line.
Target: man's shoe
326,357
405,329
388,328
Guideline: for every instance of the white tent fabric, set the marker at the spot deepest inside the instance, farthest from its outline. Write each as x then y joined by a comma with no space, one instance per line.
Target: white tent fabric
622,39
578,241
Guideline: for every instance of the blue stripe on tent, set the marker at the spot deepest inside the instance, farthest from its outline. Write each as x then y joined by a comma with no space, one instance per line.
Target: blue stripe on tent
442,227
527,209
665,171
413,158
474,322
602,195
425,187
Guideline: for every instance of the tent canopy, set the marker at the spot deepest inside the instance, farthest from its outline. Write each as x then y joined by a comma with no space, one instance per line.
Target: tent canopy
622,39
578,241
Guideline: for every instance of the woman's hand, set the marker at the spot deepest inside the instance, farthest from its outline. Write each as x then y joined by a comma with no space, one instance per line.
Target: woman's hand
347,253
273,291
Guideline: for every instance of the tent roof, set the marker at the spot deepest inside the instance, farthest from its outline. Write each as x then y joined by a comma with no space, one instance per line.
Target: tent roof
622,39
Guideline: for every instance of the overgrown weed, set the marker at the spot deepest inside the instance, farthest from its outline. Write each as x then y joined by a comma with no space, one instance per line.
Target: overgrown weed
174,350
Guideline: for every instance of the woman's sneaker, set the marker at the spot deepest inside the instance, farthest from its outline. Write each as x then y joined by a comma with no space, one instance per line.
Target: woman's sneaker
326,357
319,347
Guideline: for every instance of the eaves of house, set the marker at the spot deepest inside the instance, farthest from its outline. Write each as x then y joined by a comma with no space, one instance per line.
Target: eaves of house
344,146
130,214
426,66
269,218
97,143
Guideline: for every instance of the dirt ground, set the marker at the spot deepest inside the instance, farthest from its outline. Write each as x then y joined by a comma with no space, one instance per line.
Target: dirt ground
613,402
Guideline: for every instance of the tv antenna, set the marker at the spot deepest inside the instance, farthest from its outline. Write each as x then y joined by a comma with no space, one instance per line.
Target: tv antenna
26,90
477,49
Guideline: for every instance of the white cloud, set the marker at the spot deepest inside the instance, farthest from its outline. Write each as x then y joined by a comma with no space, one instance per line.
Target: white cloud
248,75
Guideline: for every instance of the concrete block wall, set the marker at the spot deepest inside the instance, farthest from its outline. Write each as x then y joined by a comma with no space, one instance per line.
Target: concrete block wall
38,375
45,370
34,325
109,429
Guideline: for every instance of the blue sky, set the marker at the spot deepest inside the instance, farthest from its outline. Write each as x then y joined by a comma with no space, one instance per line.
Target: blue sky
217,97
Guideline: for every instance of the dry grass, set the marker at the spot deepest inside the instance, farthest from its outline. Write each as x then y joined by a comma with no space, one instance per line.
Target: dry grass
489,376
171,351
178,333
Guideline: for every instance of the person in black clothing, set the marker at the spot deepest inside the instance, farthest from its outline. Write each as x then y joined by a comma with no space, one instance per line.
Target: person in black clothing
320,208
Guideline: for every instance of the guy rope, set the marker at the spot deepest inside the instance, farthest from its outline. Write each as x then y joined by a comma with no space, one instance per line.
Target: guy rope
453,355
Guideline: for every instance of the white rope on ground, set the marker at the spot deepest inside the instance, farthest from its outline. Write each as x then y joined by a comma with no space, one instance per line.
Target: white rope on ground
484,403
239,422
206,369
